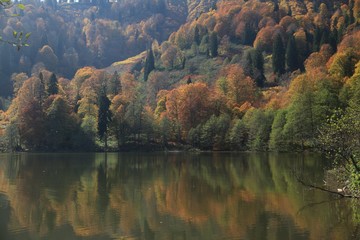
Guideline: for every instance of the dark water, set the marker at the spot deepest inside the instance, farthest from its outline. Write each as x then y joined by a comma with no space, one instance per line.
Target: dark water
169,196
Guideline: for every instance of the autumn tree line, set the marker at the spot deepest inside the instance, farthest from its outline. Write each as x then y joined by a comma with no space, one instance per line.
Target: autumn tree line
254,75
66,37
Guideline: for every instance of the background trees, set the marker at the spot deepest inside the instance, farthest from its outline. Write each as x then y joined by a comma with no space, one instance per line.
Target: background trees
278,57
243,76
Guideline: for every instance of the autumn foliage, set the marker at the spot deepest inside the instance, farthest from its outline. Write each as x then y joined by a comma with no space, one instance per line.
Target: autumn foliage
242,75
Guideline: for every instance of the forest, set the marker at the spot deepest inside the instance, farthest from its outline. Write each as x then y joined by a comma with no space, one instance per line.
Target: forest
190,75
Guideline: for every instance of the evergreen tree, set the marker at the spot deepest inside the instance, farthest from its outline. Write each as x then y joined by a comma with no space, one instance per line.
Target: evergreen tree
115,84
278,56
258,60
104,116
197,38
316,40
249,35
53,87
333,39
189,81
276,6
214,7
39,91
149,64
258,67
292,55
183,63
324,37
248,65
213,44
351,12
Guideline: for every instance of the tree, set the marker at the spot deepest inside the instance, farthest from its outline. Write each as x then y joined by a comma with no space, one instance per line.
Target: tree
292,55
189,81
277,141
104,117
258,66
213,132
238,136
249,34
197,38
236,88
53,87
149,64
188,106
115,84
340,140
278,56
343,64
213,44
31,118
60,123
258,122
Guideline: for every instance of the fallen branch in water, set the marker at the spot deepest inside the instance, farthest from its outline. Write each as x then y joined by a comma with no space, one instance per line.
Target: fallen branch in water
341,194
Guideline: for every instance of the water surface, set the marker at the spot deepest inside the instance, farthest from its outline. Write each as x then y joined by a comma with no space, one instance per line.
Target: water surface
169,196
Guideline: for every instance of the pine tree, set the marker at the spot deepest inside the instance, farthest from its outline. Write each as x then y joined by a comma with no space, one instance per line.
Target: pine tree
115,84
278,56
351,12
248,66
189,81
149,64
324,37
258,65
197,38
292,55
316,40
333,39
249,35
104,116
213,44
258,60
53,85
40,92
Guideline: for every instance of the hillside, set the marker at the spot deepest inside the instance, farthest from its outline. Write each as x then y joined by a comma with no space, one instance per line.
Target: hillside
246,75
68,36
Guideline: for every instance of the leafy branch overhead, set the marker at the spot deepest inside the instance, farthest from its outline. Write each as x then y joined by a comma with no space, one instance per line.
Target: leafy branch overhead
20,39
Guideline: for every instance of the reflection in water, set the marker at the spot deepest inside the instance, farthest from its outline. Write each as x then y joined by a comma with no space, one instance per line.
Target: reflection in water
167,196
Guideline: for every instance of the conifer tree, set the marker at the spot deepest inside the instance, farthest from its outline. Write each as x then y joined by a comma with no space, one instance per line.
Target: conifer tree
53,85
40,92
249,35
258,65
292,55
317,39
213,44
115,84
324,37
278,57
258,61
197,38
189,81
104,116
351,12
149,64
248,66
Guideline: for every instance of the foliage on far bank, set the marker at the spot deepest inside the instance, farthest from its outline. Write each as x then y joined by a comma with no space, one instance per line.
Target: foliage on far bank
244,76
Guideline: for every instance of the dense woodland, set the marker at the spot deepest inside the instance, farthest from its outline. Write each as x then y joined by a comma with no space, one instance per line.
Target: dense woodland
236,75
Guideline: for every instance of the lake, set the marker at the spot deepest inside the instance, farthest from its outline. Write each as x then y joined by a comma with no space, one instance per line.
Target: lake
170,196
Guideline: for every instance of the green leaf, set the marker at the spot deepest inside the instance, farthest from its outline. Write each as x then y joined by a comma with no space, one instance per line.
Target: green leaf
15,15
27,35
21,6
15,34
